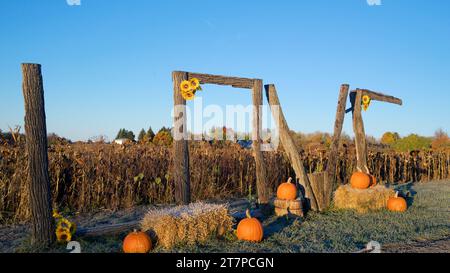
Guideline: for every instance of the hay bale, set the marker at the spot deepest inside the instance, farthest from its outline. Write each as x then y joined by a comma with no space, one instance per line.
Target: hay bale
191,224
362,201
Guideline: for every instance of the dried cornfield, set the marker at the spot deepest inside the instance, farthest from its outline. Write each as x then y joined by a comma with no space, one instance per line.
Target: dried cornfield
87,177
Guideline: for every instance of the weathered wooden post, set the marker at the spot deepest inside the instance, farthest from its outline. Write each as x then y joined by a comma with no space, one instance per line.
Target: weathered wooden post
181,171
360,134
358,123
36,146
289,145
261,176
334,149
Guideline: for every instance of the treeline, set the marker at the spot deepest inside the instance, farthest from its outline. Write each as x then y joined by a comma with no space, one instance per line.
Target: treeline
312,141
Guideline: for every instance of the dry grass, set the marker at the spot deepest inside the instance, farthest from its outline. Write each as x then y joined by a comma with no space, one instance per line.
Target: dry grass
191,224
362,201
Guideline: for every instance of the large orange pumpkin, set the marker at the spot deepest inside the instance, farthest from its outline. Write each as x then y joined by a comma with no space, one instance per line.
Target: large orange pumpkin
397,204
360,181
137,242
287,191
250,229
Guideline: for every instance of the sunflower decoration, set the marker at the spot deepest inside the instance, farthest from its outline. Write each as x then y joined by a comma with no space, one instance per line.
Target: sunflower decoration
366,102
63,235
65,229
189,88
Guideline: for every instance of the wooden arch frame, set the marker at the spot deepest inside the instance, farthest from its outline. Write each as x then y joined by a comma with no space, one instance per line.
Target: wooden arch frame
181,170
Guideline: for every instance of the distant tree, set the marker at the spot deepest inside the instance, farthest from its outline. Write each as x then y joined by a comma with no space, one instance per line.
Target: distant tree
163,137
120,134
123,133
53,139
130,135
165,129
389,138
412,142
141,135
440,140
149,135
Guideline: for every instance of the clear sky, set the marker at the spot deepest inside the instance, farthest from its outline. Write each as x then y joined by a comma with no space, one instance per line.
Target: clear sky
107,63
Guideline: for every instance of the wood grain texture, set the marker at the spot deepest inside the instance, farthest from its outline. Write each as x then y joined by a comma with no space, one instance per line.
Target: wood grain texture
320,186
223,80
289,146
360,134
36,147
381,97
288,204
261,175
335,142
181,170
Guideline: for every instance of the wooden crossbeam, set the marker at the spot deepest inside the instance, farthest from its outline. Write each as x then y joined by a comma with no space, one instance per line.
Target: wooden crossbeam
374,96
380,96
223,80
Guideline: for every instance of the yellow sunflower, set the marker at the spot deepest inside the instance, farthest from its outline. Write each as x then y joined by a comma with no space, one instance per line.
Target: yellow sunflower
366,99
63,235
64,223
195,84
366,102
189,95
185,86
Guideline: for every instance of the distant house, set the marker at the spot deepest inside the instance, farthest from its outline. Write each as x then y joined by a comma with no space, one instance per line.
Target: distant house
123,141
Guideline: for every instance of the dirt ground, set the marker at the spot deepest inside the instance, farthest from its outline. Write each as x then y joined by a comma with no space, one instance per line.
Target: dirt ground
440,246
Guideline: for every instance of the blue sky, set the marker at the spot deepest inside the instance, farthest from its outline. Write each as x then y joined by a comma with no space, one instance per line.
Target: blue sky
107,63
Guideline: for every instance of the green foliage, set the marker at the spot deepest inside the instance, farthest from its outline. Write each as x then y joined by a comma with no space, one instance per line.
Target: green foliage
149,135
123,133
411,143
141,135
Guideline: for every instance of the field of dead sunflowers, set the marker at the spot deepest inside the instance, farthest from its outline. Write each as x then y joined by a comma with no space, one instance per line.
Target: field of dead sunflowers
89,177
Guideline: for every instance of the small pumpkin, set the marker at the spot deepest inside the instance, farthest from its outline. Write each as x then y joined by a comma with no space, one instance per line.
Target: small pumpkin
250,229
397,204
373,181
137,242
360,181
287,191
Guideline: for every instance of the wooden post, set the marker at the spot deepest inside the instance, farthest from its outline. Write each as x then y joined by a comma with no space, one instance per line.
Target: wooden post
289,145
181,173
334,149
43,233
261,176
319,182
360,135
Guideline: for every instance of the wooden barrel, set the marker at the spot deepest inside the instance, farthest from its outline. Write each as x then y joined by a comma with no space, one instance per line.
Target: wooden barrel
285,207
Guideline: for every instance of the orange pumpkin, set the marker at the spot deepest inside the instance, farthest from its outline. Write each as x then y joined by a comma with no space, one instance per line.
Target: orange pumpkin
250,229
137,242
287,191
360,181
397,204
373,181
